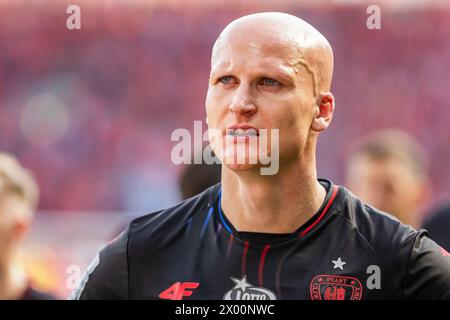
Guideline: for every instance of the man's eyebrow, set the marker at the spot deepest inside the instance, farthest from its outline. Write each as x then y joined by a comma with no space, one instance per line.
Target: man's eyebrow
285,73
220,67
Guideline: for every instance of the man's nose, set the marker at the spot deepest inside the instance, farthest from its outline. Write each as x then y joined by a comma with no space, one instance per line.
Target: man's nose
243,102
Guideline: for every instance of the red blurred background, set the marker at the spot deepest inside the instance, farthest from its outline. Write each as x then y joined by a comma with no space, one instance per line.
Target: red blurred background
91,111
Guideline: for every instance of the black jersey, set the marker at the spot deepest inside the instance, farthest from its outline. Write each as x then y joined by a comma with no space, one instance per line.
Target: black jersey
347,250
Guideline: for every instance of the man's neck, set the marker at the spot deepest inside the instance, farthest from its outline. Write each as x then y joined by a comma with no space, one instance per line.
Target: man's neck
271,204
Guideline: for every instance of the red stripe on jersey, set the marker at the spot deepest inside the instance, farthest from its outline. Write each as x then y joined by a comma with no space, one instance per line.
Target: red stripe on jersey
230,244
330,202
261,265
244,258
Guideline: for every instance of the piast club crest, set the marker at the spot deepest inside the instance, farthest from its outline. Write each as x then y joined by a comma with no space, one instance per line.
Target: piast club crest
332,287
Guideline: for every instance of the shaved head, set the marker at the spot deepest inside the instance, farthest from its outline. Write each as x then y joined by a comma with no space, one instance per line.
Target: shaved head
265,32
271,71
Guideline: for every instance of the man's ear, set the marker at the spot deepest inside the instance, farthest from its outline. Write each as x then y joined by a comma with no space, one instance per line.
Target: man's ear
21,228
324,112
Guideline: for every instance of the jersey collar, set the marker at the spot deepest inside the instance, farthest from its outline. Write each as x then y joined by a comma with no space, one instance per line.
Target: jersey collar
306,228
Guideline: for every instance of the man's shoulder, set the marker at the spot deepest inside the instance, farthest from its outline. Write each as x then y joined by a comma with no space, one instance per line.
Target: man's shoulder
177,214
382,231
404,253
156,227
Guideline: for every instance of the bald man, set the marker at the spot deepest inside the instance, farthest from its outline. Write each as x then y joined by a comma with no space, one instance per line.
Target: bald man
262,235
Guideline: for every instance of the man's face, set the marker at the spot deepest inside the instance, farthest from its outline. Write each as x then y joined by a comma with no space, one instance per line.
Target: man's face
256,82
387,184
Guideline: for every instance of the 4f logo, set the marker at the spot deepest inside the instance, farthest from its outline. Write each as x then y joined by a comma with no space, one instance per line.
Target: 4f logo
179,290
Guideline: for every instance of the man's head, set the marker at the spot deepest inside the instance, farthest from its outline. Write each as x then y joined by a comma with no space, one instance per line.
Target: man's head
388,169
270,71
18,200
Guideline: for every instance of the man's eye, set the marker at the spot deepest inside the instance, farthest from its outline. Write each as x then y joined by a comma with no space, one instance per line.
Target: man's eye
226,80
269,82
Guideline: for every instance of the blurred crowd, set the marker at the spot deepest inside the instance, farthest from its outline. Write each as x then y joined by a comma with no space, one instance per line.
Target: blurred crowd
91,111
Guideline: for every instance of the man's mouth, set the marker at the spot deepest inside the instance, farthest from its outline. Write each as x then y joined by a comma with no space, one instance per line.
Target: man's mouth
242,132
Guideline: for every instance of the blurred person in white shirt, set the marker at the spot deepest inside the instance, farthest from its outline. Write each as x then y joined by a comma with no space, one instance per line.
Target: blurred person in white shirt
18,199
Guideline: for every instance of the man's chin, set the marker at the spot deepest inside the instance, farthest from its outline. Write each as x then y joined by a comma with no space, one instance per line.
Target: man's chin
241,167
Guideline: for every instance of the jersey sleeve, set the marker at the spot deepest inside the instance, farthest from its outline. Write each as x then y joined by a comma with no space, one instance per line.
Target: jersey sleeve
106,278
428,272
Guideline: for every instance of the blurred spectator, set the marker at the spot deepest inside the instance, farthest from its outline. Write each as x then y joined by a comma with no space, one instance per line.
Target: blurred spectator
388,170
102,101
438,226
18,200
197,177
193,179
